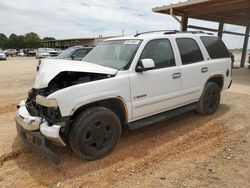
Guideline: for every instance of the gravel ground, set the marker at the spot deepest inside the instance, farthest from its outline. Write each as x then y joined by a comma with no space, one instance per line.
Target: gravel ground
187,151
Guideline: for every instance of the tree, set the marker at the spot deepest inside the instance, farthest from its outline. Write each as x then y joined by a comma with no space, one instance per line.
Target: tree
3,41
21,43
12,42
31,40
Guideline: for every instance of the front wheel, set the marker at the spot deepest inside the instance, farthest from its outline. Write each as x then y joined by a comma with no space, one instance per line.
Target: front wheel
94,133
209,100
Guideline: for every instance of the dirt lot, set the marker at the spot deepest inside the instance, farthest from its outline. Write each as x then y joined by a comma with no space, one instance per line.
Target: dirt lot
186,151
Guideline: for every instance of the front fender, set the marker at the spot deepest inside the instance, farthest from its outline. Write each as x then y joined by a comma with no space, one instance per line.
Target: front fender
91,101
71,98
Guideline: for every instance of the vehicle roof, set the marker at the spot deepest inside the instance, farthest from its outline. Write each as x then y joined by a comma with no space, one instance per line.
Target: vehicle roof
154,35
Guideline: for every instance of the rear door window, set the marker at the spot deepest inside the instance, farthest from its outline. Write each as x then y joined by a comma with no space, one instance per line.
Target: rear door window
189,50
215,47
81,53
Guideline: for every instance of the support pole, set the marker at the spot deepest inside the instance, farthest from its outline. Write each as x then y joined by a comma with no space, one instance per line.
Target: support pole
184,23
176,18
220,29
244,51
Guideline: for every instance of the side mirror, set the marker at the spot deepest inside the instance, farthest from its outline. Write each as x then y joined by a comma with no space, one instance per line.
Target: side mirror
144,65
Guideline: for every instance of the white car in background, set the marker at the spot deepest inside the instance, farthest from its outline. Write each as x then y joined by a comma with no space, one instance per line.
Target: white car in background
46,52
21,53
2,56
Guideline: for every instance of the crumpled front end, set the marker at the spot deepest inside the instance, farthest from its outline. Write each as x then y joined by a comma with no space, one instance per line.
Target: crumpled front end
38,119
37,133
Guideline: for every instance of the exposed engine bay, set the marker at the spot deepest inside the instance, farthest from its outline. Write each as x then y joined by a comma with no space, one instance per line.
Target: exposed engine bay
67,79
62,80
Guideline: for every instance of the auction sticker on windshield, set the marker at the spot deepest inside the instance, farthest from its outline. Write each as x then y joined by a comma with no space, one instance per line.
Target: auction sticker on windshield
134,42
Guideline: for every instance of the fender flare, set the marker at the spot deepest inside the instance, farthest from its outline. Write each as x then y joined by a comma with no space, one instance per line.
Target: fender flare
81,105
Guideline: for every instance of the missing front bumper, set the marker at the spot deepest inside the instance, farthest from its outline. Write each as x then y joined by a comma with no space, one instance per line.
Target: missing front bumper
37,143
37,133
33,123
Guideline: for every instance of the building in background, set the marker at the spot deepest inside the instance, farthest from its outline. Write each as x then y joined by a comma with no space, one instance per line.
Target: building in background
66,43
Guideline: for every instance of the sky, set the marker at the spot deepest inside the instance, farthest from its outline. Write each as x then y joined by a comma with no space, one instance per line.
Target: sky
90,18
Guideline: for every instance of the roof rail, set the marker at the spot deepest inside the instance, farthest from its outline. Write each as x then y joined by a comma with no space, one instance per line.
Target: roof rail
191,32
197,32
169,32
156,31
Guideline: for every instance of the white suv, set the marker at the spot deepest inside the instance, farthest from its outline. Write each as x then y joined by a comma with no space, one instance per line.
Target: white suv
128,81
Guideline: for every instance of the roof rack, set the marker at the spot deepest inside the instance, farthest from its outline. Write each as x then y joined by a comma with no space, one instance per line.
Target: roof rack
156,31
197,32
191,32
169,32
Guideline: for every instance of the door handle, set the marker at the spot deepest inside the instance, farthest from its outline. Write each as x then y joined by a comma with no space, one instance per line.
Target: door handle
204,70
176,75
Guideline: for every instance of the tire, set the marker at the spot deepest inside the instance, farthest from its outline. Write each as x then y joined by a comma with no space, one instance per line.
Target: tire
209,100
94,133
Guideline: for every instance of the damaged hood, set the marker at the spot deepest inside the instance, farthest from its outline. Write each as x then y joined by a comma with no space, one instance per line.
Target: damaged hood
49,68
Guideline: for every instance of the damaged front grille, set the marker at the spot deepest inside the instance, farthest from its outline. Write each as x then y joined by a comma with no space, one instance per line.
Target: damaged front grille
31,105
50,114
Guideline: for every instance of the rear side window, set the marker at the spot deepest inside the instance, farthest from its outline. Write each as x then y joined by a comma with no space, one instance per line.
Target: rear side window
215,47
81,53
160,50
189,51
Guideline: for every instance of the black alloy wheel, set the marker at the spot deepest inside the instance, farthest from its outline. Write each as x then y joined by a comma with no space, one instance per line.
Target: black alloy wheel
210,99
94,133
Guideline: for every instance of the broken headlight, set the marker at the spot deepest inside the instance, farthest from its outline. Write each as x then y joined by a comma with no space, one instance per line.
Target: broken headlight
43,101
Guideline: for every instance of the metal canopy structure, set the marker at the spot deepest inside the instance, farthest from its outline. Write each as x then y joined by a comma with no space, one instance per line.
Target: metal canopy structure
236,12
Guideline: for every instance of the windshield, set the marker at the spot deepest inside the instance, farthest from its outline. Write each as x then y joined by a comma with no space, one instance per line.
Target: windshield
66,53
114,54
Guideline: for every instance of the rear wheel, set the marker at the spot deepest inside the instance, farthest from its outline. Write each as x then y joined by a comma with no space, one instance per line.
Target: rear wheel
209,100
94,133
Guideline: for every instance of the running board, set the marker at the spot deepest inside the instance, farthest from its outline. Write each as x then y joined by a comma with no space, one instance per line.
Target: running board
161,117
